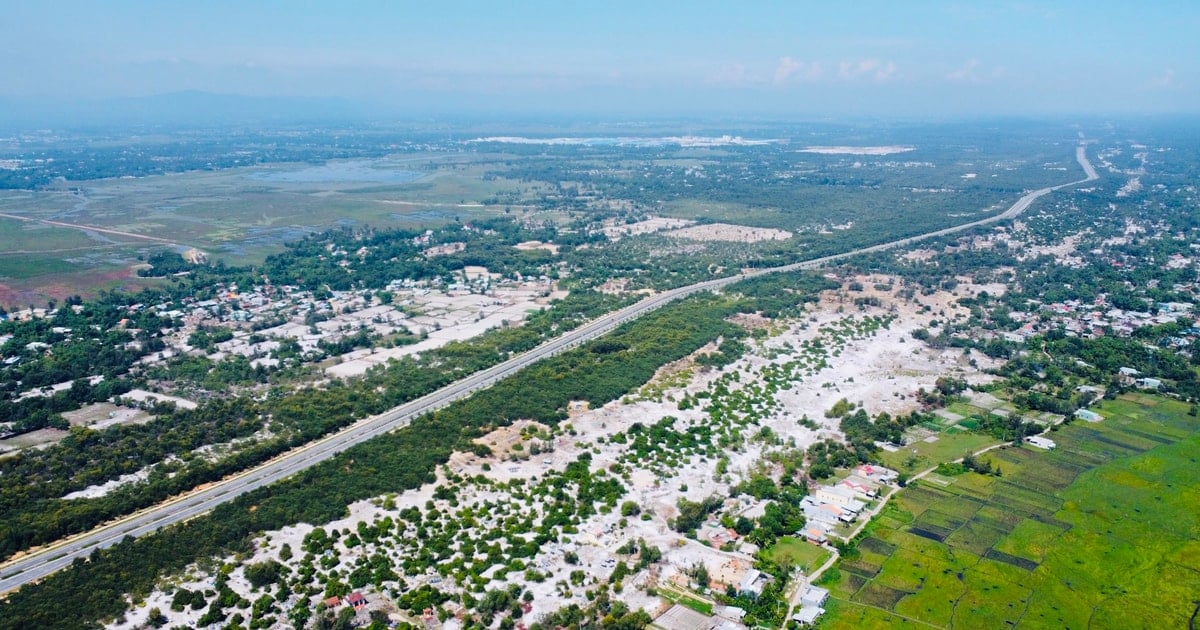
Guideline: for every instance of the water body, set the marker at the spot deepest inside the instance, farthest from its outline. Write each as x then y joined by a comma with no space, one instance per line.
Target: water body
341,172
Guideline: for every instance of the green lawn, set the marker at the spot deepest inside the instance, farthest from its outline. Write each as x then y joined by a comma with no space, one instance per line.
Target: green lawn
800,554
1101,532
950,445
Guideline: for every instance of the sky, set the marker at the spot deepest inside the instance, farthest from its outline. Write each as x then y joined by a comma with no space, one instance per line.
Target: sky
909,58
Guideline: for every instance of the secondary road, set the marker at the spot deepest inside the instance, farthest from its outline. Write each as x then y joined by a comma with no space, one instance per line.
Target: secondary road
42,562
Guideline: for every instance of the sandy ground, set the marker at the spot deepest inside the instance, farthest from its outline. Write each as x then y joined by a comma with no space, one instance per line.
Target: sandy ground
99,490
34,439
532,245
447,317
650,225
728,232
141,395
882,369
102,415
843,150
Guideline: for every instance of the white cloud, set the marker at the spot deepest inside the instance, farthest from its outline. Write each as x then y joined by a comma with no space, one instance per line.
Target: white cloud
789,69
965,73
866,69
1163,80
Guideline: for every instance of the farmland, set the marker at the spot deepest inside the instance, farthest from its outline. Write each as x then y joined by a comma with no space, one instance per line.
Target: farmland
1060,539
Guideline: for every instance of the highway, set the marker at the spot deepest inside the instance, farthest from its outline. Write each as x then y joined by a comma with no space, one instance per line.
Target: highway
42,562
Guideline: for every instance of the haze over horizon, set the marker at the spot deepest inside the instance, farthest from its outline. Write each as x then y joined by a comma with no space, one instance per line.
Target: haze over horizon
921,59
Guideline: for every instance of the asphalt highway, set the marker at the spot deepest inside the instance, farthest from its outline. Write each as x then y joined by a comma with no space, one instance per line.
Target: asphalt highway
42,562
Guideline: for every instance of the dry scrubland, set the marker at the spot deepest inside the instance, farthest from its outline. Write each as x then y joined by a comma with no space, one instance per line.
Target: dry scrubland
803,366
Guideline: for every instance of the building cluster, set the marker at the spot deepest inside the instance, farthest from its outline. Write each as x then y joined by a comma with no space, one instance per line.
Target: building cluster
1097,319
264,318
842,503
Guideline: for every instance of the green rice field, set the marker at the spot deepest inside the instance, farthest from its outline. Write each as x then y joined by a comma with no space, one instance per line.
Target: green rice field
1102,532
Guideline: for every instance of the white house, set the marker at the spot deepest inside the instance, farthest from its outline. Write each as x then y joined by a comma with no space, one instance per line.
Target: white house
753,583
876,473
1041,442
814,596
864,488
1149,383
844,497
1088,415
807,616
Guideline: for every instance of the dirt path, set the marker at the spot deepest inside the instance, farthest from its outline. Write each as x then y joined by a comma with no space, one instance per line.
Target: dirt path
90,228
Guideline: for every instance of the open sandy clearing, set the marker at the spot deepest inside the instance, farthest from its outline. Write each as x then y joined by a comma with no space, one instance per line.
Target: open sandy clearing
729,232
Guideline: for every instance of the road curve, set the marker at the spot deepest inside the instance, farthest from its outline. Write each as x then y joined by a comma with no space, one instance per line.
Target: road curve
43,562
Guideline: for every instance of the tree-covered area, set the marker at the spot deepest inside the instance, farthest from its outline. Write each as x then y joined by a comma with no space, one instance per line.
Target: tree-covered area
371,258
32,482
599,371
88,345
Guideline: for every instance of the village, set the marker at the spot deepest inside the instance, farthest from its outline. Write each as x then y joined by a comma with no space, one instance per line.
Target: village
273,327
538,487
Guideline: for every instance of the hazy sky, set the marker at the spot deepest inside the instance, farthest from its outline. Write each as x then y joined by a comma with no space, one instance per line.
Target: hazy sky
904,57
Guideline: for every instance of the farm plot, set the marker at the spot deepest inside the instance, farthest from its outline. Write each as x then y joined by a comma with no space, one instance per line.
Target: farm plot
1102,528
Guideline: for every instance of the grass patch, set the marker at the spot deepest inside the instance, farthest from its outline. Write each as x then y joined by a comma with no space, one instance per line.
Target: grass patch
675,597
800,554
921,455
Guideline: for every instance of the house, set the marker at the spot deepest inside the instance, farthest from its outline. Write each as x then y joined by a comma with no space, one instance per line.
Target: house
732,613
815,533
813,596
1149,383
753,583
864,488
876,473
841,496
356,600
830,513
1126,374
1041,442
721,536
807,616
1088,415
332,602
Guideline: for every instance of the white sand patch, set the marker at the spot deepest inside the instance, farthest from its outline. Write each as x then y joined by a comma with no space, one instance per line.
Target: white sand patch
99,490
1133,185
731,233
648,226
103,415
533,245
142,396
447,317
848,150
